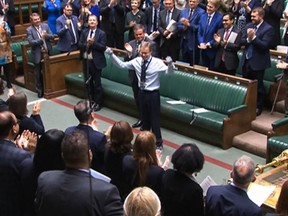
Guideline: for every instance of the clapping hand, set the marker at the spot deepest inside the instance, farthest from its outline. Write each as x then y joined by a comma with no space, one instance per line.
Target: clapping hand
27,141
36,108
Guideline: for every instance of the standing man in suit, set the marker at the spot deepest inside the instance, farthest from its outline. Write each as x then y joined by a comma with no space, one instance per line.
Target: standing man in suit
113,21
7,12
75,191
232,199
76,5
148,70
67,30
210,23
170,41
226,60
284,66
16,171
257,39
139,34
39,36
88,124
188,27
92,45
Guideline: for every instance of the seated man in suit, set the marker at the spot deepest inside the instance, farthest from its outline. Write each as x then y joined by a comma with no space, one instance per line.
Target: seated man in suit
74,191
87,123
232,199
67,30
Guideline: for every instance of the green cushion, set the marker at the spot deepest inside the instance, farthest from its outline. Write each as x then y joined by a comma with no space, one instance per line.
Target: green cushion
16,47
24,8
277,144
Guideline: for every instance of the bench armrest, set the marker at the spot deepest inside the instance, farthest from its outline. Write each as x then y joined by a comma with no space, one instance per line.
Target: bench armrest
236,109
280,122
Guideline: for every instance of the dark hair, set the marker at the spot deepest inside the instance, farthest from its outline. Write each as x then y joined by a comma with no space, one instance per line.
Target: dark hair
188,158
75,149
121,136
231,15
81,111
139,26
34,15
6,123
48,152
144,154
18,104
260,11
282,203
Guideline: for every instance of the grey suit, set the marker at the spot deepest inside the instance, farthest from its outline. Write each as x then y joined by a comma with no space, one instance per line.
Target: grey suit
69,192
37,44
67,41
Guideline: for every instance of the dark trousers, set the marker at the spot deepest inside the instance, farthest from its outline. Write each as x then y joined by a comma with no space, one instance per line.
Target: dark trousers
6,69
115,39
190,56
150,106
222,69
207,61
167,49
255,75
92,77
135,90
39,78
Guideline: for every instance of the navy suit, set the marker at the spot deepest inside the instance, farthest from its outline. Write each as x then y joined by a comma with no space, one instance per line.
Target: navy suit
254,67
37,44
189,40
97,142
228,52
206,35
150,17
17,186
94,66
72,192
169,47
230,200
67,38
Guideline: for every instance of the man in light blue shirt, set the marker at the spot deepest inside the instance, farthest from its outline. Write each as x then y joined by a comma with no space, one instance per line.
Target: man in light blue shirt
148,70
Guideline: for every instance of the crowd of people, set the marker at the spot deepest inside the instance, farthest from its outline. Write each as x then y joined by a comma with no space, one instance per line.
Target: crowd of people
84,172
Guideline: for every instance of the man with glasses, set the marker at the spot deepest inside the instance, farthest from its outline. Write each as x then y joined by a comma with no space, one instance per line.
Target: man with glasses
67,30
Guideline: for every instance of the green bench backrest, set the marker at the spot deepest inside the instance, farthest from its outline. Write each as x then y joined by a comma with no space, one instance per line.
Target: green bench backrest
16,47
55,51
271,72
203,92
114,73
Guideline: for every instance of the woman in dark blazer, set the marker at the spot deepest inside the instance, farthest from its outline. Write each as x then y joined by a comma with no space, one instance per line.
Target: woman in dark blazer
121,136
181,194
142,168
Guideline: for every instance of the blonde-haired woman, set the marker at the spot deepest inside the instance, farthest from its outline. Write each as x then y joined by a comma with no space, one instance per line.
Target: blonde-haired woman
142,167
142,201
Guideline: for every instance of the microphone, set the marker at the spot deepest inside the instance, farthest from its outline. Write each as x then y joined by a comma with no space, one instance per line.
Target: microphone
88,80
194,117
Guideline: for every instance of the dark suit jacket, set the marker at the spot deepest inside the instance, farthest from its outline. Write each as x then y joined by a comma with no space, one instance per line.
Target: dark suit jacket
97,143
66,36
191,32
174,41
229,200
68,193
10,13
33,124
150,18
181,195
260,46
36,43
208,35
17,186
105,12
97,48
229,51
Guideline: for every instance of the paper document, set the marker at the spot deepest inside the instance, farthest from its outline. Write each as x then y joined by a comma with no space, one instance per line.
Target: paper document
153,35
199,110
206,183
172,26
99,175
232,37
174,102
259,193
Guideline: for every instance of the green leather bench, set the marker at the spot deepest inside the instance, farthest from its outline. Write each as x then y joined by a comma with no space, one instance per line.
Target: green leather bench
278,139
225,104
